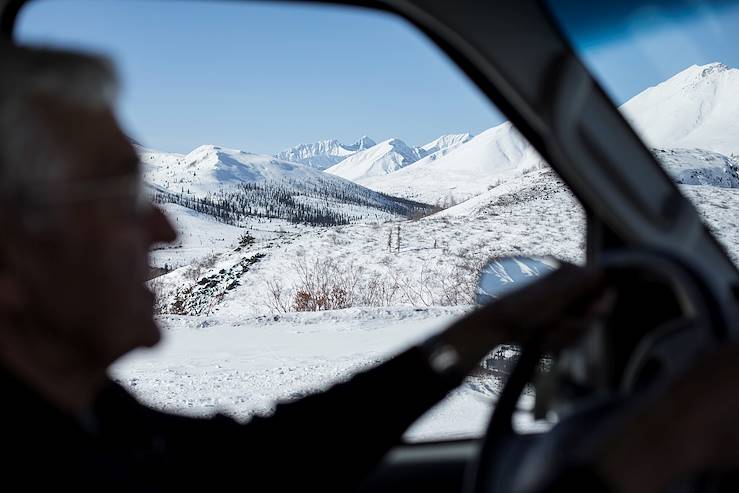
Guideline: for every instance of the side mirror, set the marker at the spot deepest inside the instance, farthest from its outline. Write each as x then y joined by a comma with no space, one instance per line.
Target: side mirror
504,274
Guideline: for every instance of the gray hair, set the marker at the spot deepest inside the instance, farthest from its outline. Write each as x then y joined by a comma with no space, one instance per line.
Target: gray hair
28,156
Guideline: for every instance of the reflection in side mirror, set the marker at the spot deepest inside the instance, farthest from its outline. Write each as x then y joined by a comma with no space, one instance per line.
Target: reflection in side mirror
504,274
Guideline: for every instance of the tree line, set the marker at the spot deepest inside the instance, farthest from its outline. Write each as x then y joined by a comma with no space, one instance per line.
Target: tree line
315,204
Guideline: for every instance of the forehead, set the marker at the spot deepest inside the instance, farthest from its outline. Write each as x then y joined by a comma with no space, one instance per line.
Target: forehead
90,139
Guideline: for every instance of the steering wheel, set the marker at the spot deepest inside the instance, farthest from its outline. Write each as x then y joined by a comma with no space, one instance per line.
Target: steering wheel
525,463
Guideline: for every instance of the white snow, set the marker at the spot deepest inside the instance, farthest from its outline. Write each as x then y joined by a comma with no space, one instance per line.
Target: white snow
198,235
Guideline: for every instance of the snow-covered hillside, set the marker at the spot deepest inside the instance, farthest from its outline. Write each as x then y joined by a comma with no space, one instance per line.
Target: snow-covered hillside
324,154
198,235
696,108
237,352
233,186
210,168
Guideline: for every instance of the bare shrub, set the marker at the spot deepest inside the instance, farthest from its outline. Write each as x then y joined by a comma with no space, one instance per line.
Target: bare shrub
457,285
412,290
246,240
209,261
331,299
441,284
386,260
278,297
378,290
328,284
196,269
324,285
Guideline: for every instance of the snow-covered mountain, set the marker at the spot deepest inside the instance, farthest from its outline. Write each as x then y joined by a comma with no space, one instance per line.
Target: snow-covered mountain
466,170
696,108
325,153
381,159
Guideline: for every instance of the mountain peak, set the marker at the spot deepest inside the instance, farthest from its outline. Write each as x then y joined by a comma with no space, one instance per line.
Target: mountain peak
364,143
698,73
712,68
695,108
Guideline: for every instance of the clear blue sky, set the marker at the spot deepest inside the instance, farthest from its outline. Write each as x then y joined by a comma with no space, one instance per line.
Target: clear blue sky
266,77
263,77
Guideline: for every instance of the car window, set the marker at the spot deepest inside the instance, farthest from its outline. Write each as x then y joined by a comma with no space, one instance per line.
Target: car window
673,70
336,183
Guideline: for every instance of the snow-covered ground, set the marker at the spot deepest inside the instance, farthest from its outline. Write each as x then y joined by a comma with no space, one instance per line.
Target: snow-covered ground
241,356
242,366
198,235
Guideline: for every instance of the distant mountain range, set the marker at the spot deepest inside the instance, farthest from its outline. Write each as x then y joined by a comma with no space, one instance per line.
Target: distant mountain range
325,153
691,120
365,157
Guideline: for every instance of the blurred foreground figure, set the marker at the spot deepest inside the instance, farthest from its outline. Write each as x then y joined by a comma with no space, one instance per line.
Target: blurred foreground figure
75,231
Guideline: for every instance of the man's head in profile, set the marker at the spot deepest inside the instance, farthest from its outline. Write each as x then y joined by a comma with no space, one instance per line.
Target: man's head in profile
75,228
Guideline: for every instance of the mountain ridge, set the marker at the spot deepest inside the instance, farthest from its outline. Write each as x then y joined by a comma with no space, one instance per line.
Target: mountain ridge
324,153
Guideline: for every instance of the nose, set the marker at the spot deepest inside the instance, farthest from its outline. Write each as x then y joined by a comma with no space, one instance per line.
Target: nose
160,227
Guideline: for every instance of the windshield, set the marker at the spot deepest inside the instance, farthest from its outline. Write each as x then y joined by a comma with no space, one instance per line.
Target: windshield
672,67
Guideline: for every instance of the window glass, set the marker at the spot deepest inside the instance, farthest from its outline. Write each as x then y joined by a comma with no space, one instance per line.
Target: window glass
673,69
336,183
